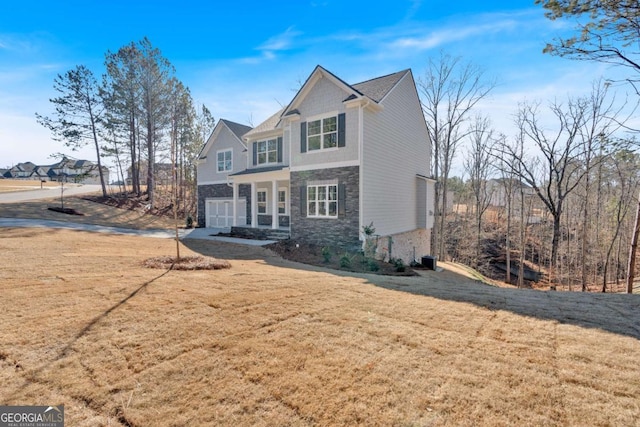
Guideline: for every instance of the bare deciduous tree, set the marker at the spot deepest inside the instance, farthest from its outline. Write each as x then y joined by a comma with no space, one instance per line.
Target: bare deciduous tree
450,89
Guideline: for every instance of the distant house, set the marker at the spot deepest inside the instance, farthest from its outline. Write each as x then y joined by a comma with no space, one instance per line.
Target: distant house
499,188
162,173
338,158
67,170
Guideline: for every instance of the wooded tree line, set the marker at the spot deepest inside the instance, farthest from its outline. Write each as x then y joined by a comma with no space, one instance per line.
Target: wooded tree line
139,115
569,185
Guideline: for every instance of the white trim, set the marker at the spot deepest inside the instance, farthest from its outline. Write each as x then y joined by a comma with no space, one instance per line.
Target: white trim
395,85
212,182
323,116
224,170
265,134
266,152
286,200
361,169
266,201
326,200
275,218
325,166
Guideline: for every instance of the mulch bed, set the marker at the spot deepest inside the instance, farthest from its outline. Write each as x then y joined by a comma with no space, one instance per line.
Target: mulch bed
68,211
315,255
186,263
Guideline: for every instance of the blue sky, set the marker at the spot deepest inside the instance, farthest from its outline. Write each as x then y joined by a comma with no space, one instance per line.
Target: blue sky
244,59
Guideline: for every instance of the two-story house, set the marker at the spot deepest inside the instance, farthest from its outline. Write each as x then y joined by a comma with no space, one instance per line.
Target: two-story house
337,158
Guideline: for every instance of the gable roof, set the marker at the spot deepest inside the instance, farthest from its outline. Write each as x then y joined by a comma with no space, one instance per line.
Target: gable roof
379,87
374,89
236,129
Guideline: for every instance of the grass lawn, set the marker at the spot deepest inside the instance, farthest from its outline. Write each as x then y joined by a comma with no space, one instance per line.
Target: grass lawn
271,342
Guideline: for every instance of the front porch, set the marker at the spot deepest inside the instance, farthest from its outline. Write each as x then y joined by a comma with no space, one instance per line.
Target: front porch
269,205
261,233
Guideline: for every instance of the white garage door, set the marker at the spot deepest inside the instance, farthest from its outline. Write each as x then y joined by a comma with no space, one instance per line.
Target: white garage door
219,213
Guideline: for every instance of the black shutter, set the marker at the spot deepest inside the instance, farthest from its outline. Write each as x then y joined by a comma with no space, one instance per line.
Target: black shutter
303,137
255,153
341,130
342,200
279,149
303,200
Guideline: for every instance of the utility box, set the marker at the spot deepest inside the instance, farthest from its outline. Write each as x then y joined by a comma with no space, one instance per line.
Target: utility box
430,262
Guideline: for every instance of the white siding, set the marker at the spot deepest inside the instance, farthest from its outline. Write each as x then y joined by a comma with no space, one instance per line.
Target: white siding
208,168
325,97
396,148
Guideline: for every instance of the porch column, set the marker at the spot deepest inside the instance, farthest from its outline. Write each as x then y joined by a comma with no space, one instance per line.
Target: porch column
235,205
254,206
274,205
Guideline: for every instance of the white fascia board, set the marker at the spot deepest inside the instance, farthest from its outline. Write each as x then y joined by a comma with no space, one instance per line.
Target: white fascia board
264,135
212,182
365,102
326,166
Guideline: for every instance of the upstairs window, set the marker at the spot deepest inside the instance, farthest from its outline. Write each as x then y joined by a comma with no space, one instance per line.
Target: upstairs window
323,134
225,163
267,152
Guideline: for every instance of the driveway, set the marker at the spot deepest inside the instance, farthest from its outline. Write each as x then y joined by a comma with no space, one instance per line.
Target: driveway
48,193
195,233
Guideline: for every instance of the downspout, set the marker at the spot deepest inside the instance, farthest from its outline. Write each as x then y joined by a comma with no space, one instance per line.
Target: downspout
361,163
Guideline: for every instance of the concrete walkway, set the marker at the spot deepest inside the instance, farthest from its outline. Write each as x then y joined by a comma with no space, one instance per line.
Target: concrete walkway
195,233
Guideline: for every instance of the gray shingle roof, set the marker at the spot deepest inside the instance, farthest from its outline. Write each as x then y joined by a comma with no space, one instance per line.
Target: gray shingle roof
267,125
259,170
377,88
236,128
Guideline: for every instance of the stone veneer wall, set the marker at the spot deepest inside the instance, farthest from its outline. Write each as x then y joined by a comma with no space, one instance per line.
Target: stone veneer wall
406,246
221,191
341,231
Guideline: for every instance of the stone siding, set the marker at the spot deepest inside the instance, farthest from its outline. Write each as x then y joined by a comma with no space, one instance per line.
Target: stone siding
342,231
213,191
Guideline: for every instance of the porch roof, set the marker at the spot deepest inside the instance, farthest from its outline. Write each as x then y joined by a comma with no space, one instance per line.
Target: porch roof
259,170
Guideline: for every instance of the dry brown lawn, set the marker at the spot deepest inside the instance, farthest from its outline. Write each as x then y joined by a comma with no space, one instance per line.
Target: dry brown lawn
94,213
9,185
270,342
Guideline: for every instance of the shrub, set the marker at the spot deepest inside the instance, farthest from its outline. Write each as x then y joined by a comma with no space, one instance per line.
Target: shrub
372,264
345,261
326,254
398,264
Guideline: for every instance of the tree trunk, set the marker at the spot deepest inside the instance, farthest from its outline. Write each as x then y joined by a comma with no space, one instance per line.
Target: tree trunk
631,268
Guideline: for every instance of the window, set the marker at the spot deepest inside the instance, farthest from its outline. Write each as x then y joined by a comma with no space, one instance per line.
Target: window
262,201
322,201
267,151
224,161
322,134
282,202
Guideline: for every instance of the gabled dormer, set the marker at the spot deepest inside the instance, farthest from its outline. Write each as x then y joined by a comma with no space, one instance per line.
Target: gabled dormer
266,146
